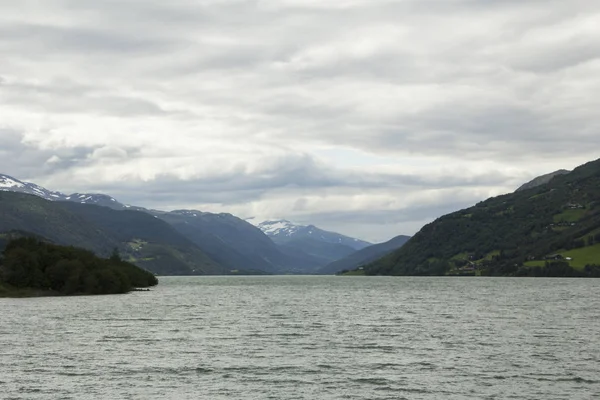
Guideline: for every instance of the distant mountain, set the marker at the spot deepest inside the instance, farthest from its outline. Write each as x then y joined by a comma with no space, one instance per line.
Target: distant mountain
321,245
548,230
283,231
235,243
542,180
364,256
141,238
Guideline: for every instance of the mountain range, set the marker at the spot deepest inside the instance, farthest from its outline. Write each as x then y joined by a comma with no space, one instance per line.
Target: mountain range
175,242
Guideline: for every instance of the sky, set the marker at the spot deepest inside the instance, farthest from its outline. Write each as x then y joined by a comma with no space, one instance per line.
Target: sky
366,117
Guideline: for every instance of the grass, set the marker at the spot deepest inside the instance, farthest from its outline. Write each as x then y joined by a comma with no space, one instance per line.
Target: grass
491,254
583,256
460,256
570,215
535,263
580,257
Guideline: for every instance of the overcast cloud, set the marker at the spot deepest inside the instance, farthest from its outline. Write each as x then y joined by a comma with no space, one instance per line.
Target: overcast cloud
368,117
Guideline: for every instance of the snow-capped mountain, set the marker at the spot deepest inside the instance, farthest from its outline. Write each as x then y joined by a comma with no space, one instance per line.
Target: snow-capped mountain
281,228
10,184
284,231
95,198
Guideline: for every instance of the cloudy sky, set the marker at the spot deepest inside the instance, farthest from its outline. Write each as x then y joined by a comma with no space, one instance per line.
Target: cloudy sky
368,117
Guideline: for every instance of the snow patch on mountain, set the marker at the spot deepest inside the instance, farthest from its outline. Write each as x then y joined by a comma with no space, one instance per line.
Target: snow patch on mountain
10,184
279,228
283,231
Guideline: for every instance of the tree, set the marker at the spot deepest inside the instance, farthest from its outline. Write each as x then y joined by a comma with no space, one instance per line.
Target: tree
115,256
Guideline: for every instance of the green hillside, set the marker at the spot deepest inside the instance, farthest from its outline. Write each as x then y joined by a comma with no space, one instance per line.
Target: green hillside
549,230
28,213
141,238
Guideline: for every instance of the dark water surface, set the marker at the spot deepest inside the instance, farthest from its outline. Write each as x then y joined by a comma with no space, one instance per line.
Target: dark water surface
309,338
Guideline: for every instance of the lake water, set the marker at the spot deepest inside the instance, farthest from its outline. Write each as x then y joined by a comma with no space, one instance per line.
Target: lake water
309,338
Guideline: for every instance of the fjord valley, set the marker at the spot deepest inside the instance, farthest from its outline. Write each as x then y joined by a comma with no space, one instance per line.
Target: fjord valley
179,242
549,229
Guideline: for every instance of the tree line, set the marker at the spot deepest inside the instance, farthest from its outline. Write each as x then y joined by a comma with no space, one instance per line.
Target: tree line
31,263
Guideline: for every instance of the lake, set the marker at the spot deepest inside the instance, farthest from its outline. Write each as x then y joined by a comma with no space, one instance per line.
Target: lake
305,337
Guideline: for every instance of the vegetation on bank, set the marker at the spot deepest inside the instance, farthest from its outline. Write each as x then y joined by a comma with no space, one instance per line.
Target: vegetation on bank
32,267
352,272
550,230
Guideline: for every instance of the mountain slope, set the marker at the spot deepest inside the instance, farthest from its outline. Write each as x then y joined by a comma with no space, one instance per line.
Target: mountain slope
323,251
513,234
142,239
236,243
364,256
151,242
542,180
10,184
29,213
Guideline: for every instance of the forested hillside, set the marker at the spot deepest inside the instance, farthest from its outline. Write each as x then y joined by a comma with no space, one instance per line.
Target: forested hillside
549,230
31,266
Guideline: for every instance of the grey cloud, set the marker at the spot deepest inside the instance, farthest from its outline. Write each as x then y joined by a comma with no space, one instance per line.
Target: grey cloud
76,40
300,173
65,96
25,161
381,225
394,216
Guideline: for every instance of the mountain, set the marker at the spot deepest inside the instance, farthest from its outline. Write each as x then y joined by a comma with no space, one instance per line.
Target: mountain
150,242
10,184
548,230
29,213
229,240
96,199
142,238
310,241
364,256
283,231
542,180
